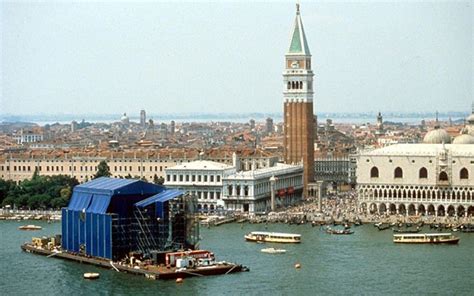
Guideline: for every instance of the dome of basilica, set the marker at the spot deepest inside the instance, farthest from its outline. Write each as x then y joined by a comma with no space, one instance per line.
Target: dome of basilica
437,136
464,139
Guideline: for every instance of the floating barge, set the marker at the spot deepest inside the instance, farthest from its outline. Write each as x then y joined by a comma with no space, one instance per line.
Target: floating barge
135,227
155,272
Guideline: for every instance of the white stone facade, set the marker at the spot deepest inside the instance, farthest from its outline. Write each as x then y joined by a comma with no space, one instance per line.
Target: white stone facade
202,178
417,179
250,191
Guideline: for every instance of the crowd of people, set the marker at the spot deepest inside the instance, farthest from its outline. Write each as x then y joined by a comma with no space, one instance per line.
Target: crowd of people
343,206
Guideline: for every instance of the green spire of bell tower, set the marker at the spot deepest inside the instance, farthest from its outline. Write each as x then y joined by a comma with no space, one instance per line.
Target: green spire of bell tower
298,44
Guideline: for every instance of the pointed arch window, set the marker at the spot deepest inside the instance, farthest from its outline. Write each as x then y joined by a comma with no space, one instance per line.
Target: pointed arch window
464,174
443,176
423,174
374,172
398,173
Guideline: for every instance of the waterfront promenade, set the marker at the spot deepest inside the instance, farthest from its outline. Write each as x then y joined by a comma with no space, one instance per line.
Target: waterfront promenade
342,207
10,214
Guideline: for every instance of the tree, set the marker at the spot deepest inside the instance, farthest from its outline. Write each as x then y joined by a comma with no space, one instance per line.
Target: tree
35,173
158,180
103,170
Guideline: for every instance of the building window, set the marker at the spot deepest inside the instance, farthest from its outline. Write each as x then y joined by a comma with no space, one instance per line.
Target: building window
464,174
218,195
193,178
199,178
212,178
168,178
374,172
174,178
398,173
443,176
180,178
229,190
205,178
187,178
218,178
423,174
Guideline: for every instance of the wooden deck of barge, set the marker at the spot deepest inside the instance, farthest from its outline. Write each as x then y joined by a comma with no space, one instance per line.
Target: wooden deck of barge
149,271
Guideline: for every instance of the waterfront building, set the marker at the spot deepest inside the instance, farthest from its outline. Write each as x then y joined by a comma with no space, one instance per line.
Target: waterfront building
201,178
414,179
298,141
334,170
147,165
251,191
18,167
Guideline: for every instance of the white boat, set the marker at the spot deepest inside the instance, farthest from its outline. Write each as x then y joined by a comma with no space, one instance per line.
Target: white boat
273,251
425,238
30,227
91,275
273,237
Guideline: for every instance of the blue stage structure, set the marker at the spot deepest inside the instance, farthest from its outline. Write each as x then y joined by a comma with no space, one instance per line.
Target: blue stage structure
110,218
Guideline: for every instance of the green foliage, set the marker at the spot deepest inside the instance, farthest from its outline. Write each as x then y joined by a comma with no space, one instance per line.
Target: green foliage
158,180
40,192
103,170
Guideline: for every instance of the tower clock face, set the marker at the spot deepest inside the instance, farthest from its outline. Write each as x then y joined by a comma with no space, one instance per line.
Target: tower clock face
295,64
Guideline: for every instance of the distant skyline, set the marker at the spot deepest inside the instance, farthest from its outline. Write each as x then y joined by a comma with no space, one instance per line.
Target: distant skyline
115,57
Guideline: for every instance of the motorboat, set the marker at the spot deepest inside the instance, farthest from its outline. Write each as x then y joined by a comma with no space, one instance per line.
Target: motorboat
273,251
91,275
30,227
425,238
273,237
339,231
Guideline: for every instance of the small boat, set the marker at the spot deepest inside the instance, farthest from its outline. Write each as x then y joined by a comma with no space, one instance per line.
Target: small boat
273,251
91,275
417,230
273,237
383,226
30,227
339,231
425,238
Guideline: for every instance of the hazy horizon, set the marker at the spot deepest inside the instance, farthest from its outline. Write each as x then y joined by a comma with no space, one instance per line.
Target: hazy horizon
111,58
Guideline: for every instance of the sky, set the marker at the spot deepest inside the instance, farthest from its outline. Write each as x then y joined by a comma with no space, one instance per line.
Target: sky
114,57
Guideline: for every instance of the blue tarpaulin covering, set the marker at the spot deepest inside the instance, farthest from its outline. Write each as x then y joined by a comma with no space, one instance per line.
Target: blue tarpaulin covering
99,203
95,196
87,222
79,201
160,197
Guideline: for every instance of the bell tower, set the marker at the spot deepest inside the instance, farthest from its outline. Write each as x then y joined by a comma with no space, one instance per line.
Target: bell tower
298,102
